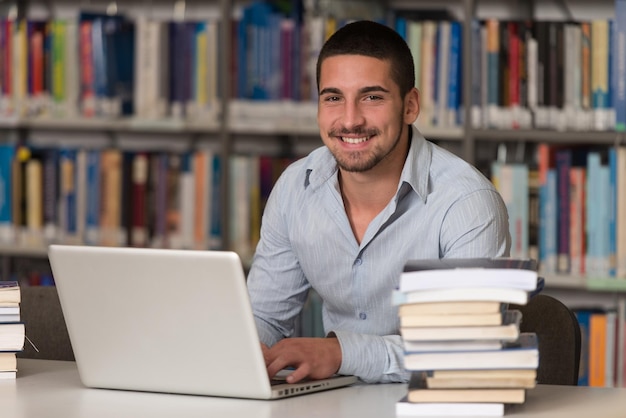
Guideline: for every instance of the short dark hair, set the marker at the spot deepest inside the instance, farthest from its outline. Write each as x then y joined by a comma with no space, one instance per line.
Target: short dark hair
374,40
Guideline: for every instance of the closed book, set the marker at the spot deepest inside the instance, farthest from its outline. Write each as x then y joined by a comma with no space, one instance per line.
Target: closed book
404,408
8,361
463,294
450,320
505,378
420,392
508,331
471,272
522,354
449,308
10,291
470,345
9,313
12,336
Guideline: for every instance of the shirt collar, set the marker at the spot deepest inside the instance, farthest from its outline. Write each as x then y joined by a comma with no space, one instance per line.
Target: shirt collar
322,167
416,168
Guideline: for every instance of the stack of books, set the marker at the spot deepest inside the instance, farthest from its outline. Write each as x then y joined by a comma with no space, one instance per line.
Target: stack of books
12,331
463,346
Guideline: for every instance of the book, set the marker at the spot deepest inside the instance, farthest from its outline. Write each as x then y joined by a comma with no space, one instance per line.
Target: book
9,312
450,320
8,361
404,408
508,331
419,392
521,354
12,336
450,308
469,345
463,294
10,291
471,272
520,378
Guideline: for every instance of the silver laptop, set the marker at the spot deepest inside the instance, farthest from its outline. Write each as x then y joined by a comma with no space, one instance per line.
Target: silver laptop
171,321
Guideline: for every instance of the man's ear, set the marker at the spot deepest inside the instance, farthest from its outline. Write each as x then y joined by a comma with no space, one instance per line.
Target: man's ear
411,106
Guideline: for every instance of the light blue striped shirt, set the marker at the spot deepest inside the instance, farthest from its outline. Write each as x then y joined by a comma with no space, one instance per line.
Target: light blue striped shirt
443,208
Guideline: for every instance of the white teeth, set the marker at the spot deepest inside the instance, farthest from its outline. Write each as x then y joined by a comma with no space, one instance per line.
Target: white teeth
354,140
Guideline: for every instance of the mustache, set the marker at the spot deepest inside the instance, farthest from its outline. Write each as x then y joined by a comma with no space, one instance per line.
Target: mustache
354,131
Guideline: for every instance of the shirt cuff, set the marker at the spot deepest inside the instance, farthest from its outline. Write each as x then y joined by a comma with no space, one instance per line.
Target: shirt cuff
364,356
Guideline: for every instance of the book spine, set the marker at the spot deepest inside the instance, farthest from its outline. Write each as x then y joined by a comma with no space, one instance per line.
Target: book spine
92,225
600,72
597,349
493,69
621,213
584,317
477,73
216,204
563,164
593,217
187,201
139,229
453,117
87,76
7,155
612,207
619,56
577,220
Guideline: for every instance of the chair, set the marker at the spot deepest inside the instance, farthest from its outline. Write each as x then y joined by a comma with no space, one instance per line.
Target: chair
41,313
558,333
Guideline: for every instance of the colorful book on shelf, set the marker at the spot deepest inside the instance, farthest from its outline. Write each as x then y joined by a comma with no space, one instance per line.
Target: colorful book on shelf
471,272
420,392
508,331
509,179
600,73
578,177
547,208
520,354
7,152
612,207
619,73
597,349
404,408
563,161
502,378
139,180
50,193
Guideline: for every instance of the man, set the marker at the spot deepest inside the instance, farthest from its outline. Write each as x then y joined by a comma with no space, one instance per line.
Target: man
345,219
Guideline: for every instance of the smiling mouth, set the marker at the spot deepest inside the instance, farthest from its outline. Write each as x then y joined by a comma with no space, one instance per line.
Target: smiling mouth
355,140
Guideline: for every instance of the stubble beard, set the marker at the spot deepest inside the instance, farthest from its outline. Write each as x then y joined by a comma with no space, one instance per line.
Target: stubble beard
362,161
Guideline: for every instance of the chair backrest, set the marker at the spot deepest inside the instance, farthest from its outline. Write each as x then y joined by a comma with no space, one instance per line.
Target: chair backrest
41,313
558,333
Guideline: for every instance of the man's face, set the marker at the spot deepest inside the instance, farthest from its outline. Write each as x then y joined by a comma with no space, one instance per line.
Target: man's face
361,114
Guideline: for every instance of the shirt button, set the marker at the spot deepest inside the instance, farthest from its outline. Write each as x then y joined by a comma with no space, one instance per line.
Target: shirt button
363,315
358,262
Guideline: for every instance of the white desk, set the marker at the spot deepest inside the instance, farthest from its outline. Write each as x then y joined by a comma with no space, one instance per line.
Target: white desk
53,389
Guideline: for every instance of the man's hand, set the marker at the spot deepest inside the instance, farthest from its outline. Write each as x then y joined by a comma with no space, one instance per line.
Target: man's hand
315,358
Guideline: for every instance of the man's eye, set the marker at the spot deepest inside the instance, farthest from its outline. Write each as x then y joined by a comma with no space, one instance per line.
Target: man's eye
331,99
373,97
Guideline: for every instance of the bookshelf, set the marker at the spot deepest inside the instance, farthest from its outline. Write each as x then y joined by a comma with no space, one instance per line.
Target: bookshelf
288,127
